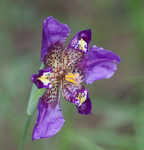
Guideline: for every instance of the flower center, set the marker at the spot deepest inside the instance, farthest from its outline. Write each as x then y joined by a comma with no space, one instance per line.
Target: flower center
63,62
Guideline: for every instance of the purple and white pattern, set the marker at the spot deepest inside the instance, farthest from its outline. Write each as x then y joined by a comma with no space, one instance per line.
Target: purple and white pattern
43,79
67,67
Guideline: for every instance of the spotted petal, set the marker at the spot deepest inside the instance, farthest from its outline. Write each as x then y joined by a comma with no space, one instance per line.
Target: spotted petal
53,33
99,64
81,40
77,95
50,119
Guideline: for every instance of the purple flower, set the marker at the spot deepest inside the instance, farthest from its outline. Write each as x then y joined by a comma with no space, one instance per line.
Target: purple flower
65,68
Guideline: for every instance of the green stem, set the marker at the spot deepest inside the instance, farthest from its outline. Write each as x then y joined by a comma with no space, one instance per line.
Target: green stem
23,139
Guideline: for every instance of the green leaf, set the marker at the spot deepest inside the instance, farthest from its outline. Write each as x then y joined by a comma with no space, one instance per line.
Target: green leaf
34,97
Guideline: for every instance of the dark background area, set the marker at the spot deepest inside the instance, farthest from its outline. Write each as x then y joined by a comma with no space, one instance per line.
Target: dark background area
117,119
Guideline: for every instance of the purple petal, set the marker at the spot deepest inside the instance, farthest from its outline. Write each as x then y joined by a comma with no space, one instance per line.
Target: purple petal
53,33
81,40
36,78
49,121
86,107
72,93
99,64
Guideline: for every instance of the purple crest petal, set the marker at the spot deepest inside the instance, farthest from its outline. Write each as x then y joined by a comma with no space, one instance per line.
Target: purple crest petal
38,83
86,107
49,121
53,33
98,64
70,93
85,35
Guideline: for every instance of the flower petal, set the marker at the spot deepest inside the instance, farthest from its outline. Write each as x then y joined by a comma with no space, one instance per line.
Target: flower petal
53,33
98,64
43,79
77,95
86,107
81,40
50,119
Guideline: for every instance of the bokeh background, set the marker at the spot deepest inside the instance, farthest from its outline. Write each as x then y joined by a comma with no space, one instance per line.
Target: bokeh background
117,119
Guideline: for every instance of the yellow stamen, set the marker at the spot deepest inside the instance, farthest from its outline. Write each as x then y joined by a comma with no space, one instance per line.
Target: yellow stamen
82,45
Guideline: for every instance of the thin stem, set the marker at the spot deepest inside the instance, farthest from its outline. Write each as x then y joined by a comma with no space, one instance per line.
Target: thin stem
23,139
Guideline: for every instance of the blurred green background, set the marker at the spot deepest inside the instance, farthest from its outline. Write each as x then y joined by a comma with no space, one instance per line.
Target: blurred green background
117,119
